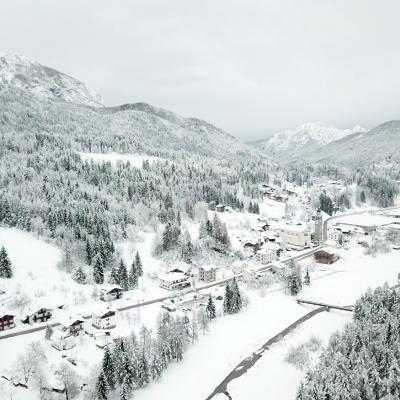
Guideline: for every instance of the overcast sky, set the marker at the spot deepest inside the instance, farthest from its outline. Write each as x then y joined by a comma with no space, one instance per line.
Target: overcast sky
250,67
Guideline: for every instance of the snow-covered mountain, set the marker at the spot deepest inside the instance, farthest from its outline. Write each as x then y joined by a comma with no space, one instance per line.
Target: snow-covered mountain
378,144
292,143
19,71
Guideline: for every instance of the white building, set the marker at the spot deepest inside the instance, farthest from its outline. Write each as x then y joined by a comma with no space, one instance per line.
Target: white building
295,234
249,274
110,292
73,325
173,281
104,319
62,340
277,266
265,256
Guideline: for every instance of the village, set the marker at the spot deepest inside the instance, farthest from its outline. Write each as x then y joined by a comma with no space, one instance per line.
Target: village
268,245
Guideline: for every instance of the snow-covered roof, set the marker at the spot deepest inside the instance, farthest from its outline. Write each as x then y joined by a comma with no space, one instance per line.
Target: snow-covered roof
102,311
180,266
59,335
68,320
208,267
328,250
298,228
172,276
4,312
109,288
33,309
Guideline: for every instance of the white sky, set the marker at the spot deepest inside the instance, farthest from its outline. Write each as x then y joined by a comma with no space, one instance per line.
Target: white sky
250,67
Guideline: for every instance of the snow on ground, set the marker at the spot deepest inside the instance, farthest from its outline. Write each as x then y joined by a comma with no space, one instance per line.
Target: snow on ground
272,377
136,160
365,219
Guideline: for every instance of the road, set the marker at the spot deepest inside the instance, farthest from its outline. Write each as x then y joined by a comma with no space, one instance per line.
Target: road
298,257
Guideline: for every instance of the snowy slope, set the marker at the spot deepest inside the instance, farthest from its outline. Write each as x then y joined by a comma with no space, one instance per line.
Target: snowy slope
19,71
378,144
291,143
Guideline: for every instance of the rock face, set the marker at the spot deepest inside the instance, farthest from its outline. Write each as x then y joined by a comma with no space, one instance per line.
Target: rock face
20,72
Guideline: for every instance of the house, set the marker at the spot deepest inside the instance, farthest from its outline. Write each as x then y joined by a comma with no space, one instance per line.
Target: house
237,267
265,256
62,340
249,274
37,315
6,321
104,319
251,247
220,208
173,281
102,338
326,256
208,273
181,267
277,266
72,325
295,234
110,292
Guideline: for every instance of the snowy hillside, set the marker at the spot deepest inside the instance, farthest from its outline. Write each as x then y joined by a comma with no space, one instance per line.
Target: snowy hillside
291,143
378,144
19,71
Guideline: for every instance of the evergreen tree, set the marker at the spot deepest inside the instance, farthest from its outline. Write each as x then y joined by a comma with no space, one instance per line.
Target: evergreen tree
156,368
362,196
102,388
187,248
79,276
109,369
114,276
143,370
236,298
138,263
133,276
49,332
307,279
123,276
89,252
5,264
125,391
228,299
98,271
295,282
210,309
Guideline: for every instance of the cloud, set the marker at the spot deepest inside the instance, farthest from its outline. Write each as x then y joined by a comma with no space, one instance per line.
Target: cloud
248,66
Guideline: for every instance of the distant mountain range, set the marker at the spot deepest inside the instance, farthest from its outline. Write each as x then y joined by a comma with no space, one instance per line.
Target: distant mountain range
58,101
292,144
18,71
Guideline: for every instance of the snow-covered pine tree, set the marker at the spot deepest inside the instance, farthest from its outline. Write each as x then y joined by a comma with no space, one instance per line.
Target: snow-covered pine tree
102,388
123,276
210,309
126,390
49,332
307,279
236,298
79,276
133,276
227,299
98,271
143,370
186,248
138,263
114,276
5,264
156,367
109,368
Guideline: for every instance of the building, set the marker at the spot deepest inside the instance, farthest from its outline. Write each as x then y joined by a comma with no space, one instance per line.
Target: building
173,281
110,292
251,247
237,267
318,227
220,208
265,256
6,321
104,319
326,256
277,266
249,274
181,267
102,339
208,273
295,234
72,325
62,340
35,315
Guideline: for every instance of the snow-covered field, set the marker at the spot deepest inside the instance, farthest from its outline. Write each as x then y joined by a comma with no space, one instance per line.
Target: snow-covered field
136,160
